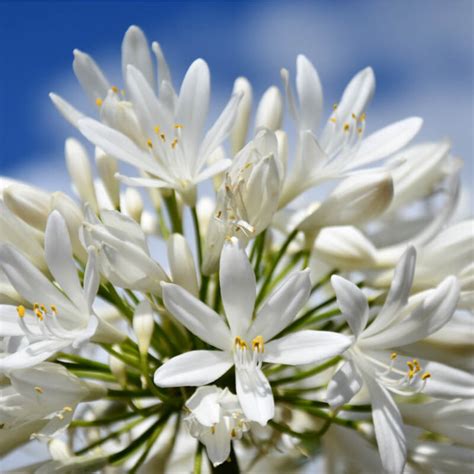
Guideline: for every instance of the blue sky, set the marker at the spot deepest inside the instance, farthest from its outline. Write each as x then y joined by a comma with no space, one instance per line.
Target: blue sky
421,51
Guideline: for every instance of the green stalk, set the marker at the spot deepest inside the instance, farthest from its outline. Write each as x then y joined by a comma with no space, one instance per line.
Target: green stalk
260,246
198,459
173,213
306,373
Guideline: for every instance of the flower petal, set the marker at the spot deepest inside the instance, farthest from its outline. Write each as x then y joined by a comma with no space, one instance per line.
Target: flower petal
70,113
90,76
193,369
305,347
217,443
238,287
345,383
255,395
212,170
352,302
91,278
196,316
282,306
135,52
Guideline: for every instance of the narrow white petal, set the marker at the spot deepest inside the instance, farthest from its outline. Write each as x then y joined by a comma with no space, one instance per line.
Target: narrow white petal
217,443
182,266
164,74
118,145
135,52
211,170
9,321
352,302
386,141
60,261
70,113
193,105
196,316
282,306
305,347
310,94
238,287
388,426
91,278
144,182
255,395
90,76
345,383
193,369
398,294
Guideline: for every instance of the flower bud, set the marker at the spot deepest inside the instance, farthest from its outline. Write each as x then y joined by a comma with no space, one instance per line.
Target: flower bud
118,369
74,218
282,140
133,204
149,223
107,167
182,267
143,324
356,200
241,124
270,110
79,168
30,204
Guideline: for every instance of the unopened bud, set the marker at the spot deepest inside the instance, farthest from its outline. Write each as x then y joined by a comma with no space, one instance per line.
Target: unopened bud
30,204
282,140
143,325
118,369
107,167
133,204
182,267
241,124
79,168
270,110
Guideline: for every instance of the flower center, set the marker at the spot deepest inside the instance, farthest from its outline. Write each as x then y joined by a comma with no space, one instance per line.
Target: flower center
46,323
246,357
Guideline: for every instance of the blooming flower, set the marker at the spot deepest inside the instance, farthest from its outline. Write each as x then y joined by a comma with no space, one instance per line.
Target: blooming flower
370,360
215,418
55,319
243,342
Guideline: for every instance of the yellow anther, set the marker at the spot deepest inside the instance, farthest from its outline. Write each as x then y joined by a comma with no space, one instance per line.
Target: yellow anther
233,433
36,306
157,129
149,143
67,409
417,365
213,429
362,117
257,344
174,143
98,102
411,374
240,342
411,365
333,119
346,127
21,311
359,131
38,390
353,115
393,356
43,308
163,137
425,376
334,106
178,125
115,89
54,309
39,314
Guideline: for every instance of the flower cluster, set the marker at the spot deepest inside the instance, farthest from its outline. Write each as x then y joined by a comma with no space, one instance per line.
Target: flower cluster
277,325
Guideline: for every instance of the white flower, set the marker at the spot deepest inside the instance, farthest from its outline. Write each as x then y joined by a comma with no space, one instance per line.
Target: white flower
40,402
56,318
215,419
341,146
123,254
244,342
371,360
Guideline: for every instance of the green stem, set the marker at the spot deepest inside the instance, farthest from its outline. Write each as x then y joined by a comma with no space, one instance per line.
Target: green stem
306,373
312,435
275,262
197,233
260,245
173,213
198,459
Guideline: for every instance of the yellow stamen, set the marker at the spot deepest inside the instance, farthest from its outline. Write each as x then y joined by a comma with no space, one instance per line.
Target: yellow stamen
393,356
36,306
410,365
149,143
354,116
163,137
38,390
240,342
346,127
334,106
174,143
67,409
21,311
98,102
359,131
115,89
257,343
425,376
39,314
411,374
417,365
213,429
332,119
362,117
157,129
178,125
43,308
54,309
233,433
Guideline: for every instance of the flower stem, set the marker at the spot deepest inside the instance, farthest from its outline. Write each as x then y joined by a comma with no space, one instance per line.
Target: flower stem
173,213
307,373
198,459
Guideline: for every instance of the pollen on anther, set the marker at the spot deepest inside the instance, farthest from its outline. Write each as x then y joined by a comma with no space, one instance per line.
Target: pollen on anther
362,117
54,309
334,106
333,119
425,376
157,129
21,311
38,390
39,314
174,143
346,127
149,143
98,101
393,356
257,344
163,137
178,125
115,89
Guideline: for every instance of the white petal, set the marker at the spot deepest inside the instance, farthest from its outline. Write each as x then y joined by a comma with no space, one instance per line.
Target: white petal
204,404
212,170
164,74
388,426
282,306
429,316
305,347
255,395
398,294
196,316
70,113
238,287
193,104
144,182
217,443
193,369
92,79
60,261
310,94
91,278
135,51
117,145
386,141
345,383
182,266
9,320
352,302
